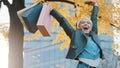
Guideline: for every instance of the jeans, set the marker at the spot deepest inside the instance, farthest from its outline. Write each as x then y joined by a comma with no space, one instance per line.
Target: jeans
83,65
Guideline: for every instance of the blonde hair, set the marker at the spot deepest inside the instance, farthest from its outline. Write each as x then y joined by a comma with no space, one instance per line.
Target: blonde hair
81,20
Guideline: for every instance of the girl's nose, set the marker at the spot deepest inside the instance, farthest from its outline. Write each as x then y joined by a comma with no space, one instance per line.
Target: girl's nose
85,23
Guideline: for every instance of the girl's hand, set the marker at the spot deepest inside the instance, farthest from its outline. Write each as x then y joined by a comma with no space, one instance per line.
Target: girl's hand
49,4
92,3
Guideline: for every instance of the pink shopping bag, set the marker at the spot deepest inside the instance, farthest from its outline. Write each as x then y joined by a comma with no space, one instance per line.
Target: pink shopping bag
44,22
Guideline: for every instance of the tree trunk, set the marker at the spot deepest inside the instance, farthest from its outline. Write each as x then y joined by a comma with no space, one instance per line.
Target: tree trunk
15,41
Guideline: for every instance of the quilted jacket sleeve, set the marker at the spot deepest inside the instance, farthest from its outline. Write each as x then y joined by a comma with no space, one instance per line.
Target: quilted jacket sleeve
94,18
63,22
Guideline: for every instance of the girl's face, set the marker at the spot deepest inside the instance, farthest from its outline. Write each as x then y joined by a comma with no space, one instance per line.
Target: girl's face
85,26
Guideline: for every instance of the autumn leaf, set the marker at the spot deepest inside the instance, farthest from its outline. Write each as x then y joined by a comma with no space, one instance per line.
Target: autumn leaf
115,46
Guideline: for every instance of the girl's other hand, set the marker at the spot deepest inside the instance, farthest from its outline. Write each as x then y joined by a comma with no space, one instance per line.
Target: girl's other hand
92,3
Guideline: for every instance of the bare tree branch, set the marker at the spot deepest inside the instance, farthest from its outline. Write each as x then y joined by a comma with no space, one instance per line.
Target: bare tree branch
0,3
115,26
67,1
21,2
6,2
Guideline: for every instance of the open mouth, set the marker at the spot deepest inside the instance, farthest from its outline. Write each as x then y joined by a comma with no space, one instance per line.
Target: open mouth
85,28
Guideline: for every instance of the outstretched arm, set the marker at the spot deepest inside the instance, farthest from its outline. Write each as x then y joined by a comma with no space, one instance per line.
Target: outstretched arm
94,18
63,22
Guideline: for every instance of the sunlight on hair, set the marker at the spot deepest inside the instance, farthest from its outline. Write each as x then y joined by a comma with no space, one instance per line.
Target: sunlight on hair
3,52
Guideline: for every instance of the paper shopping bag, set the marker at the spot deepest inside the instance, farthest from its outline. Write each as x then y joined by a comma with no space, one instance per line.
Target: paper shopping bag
20,13
30,17
44,22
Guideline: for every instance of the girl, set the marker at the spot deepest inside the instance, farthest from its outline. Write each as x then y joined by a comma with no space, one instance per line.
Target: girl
85,45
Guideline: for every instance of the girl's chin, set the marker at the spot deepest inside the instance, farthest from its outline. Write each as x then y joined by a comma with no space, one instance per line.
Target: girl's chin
87,32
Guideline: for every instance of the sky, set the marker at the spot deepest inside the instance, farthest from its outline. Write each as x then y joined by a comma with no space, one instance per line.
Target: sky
4,16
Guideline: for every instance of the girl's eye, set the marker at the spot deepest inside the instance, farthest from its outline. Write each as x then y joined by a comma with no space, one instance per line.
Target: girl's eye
88,22
82,22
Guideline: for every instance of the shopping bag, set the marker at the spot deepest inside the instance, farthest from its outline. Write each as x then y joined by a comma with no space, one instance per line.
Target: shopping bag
30,17
20,13
44,22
